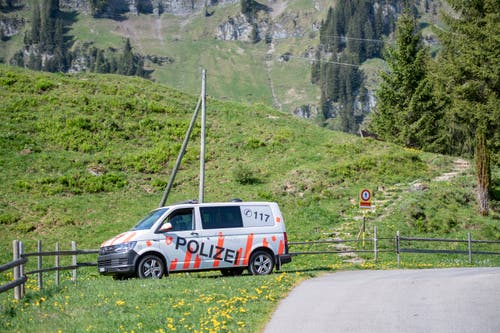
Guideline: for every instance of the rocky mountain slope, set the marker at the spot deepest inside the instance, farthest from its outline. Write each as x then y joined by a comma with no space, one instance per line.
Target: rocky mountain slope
265,57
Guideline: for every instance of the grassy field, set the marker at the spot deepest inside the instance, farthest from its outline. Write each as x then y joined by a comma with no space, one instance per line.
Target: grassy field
83,157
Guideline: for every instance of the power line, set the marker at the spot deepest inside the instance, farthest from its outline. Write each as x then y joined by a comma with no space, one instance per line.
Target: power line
359,39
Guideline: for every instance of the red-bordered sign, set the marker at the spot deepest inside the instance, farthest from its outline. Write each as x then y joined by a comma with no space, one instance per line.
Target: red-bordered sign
365,199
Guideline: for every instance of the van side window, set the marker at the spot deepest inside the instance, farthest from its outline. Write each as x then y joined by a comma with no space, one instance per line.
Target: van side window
257,216
221,217
181,219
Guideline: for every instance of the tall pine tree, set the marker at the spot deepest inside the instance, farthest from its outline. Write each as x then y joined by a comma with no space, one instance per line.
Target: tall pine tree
469,76
406,111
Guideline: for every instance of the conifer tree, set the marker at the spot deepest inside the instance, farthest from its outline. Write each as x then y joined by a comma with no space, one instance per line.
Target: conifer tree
468,73
126,66
406,107
469,80
36,25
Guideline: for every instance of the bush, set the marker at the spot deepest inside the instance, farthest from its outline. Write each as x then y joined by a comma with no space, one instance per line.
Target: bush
44,85
9,218
244,175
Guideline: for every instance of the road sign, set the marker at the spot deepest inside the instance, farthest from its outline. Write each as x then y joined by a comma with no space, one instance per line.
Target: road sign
365,199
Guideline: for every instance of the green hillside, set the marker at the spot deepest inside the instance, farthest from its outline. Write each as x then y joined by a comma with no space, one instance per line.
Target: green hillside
83,157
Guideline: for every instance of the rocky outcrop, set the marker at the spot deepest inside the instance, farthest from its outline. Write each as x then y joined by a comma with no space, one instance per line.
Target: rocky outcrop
157,7
261,27
80,5
235,28
307,111
10,26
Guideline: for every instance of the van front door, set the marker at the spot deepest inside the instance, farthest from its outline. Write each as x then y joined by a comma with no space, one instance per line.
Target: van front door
181,241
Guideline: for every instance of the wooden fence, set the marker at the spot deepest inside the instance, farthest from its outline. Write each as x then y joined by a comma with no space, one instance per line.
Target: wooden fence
397,244
469,241
21,258
358,246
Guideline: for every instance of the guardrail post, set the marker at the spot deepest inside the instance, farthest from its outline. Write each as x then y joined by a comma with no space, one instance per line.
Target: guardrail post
15,250
73,248
57,265
469,247
397,248
375,250
40,266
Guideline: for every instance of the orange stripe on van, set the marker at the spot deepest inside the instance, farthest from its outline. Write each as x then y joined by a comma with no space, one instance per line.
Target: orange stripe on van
197,262
278,219
281,248
173,264
238,257
273,238
220,243
265,243
117,238
248,249
187,260
129,237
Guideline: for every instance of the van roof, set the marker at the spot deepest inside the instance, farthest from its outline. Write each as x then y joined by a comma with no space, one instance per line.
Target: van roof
227,203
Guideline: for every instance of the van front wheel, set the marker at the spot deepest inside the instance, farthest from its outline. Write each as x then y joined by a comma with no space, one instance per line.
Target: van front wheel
261,263
150,266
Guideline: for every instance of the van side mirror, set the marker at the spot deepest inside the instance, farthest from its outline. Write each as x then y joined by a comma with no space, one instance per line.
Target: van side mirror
166,227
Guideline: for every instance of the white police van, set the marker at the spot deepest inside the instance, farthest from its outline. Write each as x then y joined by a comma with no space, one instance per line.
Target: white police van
229,237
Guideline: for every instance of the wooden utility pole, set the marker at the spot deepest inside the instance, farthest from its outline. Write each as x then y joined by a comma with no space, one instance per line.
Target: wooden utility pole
202,103
180,156
203,134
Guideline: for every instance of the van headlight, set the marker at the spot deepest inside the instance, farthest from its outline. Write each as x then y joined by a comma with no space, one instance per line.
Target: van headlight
118,248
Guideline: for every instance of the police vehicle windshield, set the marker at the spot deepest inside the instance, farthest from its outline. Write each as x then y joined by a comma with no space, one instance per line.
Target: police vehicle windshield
147,222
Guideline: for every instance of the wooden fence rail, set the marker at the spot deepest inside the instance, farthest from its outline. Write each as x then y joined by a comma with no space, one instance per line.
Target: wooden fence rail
21,258
469,250
374,240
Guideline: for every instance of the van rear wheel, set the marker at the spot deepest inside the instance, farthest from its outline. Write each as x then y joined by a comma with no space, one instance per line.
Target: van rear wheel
150,267
261,263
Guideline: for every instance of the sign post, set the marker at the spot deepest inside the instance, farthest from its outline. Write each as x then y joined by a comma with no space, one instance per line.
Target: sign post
365,202
365,199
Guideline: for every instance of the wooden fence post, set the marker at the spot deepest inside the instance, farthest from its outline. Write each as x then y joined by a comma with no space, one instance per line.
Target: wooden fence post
73,248
469,246
15,250
57,265
21,268
40,266
375,250
397,248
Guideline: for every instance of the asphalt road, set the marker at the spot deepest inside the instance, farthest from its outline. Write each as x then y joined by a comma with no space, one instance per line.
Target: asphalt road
454,300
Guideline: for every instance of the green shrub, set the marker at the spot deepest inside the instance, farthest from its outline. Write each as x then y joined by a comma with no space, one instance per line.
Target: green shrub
244,175
254,143
9,218
44,85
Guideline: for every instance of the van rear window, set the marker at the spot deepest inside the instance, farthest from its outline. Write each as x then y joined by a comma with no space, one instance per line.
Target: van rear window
257,216
221,217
